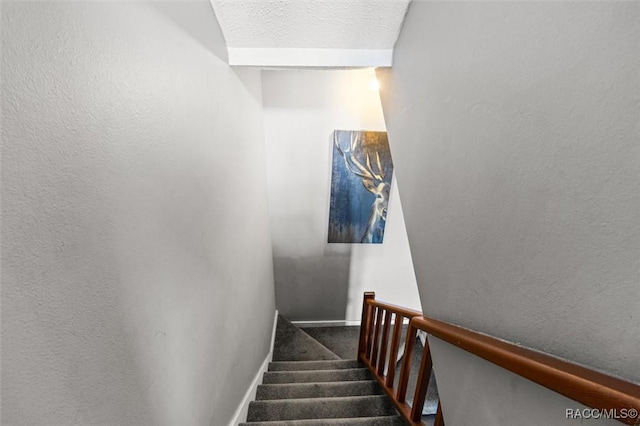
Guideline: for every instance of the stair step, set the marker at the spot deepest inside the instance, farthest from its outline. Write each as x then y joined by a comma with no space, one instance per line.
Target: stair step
314,376
320,408
293,344
354,421
313,365
318,390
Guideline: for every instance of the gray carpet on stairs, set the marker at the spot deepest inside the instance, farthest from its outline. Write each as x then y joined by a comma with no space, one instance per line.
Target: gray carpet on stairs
314,376
354,421
318,390
293,344
321,408
343,341
313,365
309,385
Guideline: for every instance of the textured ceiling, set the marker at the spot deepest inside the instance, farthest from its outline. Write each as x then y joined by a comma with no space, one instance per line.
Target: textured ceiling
310,24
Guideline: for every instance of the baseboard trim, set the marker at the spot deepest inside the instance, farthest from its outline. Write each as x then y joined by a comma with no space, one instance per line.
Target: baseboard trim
332,323
273,335
241,413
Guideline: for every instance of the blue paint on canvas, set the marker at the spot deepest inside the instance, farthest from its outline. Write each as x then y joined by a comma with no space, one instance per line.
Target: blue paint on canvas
360,181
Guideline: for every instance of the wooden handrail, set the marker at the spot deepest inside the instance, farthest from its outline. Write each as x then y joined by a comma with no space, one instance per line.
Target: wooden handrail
591,388
399,310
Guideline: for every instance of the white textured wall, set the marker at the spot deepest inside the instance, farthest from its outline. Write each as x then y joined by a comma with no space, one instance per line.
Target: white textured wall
137,284
316,280
517,146
311,24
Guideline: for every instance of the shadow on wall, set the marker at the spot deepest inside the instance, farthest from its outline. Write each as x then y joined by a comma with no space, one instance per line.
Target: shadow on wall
201,31
198,27
314,287
316,280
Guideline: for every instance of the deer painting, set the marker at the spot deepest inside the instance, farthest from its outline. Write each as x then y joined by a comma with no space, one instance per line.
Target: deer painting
364,159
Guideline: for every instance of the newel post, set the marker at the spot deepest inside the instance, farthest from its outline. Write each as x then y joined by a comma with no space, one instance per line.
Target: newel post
365,324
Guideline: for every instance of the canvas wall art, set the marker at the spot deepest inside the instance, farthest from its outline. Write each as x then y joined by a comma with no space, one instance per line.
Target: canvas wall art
360,182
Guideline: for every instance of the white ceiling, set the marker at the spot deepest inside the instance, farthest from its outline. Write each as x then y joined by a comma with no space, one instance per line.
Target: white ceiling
317,33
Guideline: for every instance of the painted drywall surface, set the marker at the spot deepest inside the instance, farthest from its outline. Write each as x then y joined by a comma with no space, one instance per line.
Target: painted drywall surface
137,281
317,24
316,280
504,398
317,33
516,144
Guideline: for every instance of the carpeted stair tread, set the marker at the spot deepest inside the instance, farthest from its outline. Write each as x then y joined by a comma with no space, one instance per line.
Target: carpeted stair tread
313,376
313,365
318,390
293,344
310,385
354,421
342,340
320,408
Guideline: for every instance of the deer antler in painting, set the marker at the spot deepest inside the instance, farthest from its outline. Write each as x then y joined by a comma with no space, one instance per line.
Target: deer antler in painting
351,160
372,180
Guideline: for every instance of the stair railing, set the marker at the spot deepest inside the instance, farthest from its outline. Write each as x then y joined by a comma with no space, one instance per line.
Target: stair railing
591,388
374,351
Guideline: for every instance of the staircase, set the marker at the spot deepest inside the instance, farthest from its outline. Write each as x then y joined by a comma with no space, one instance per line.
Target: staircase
309,385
